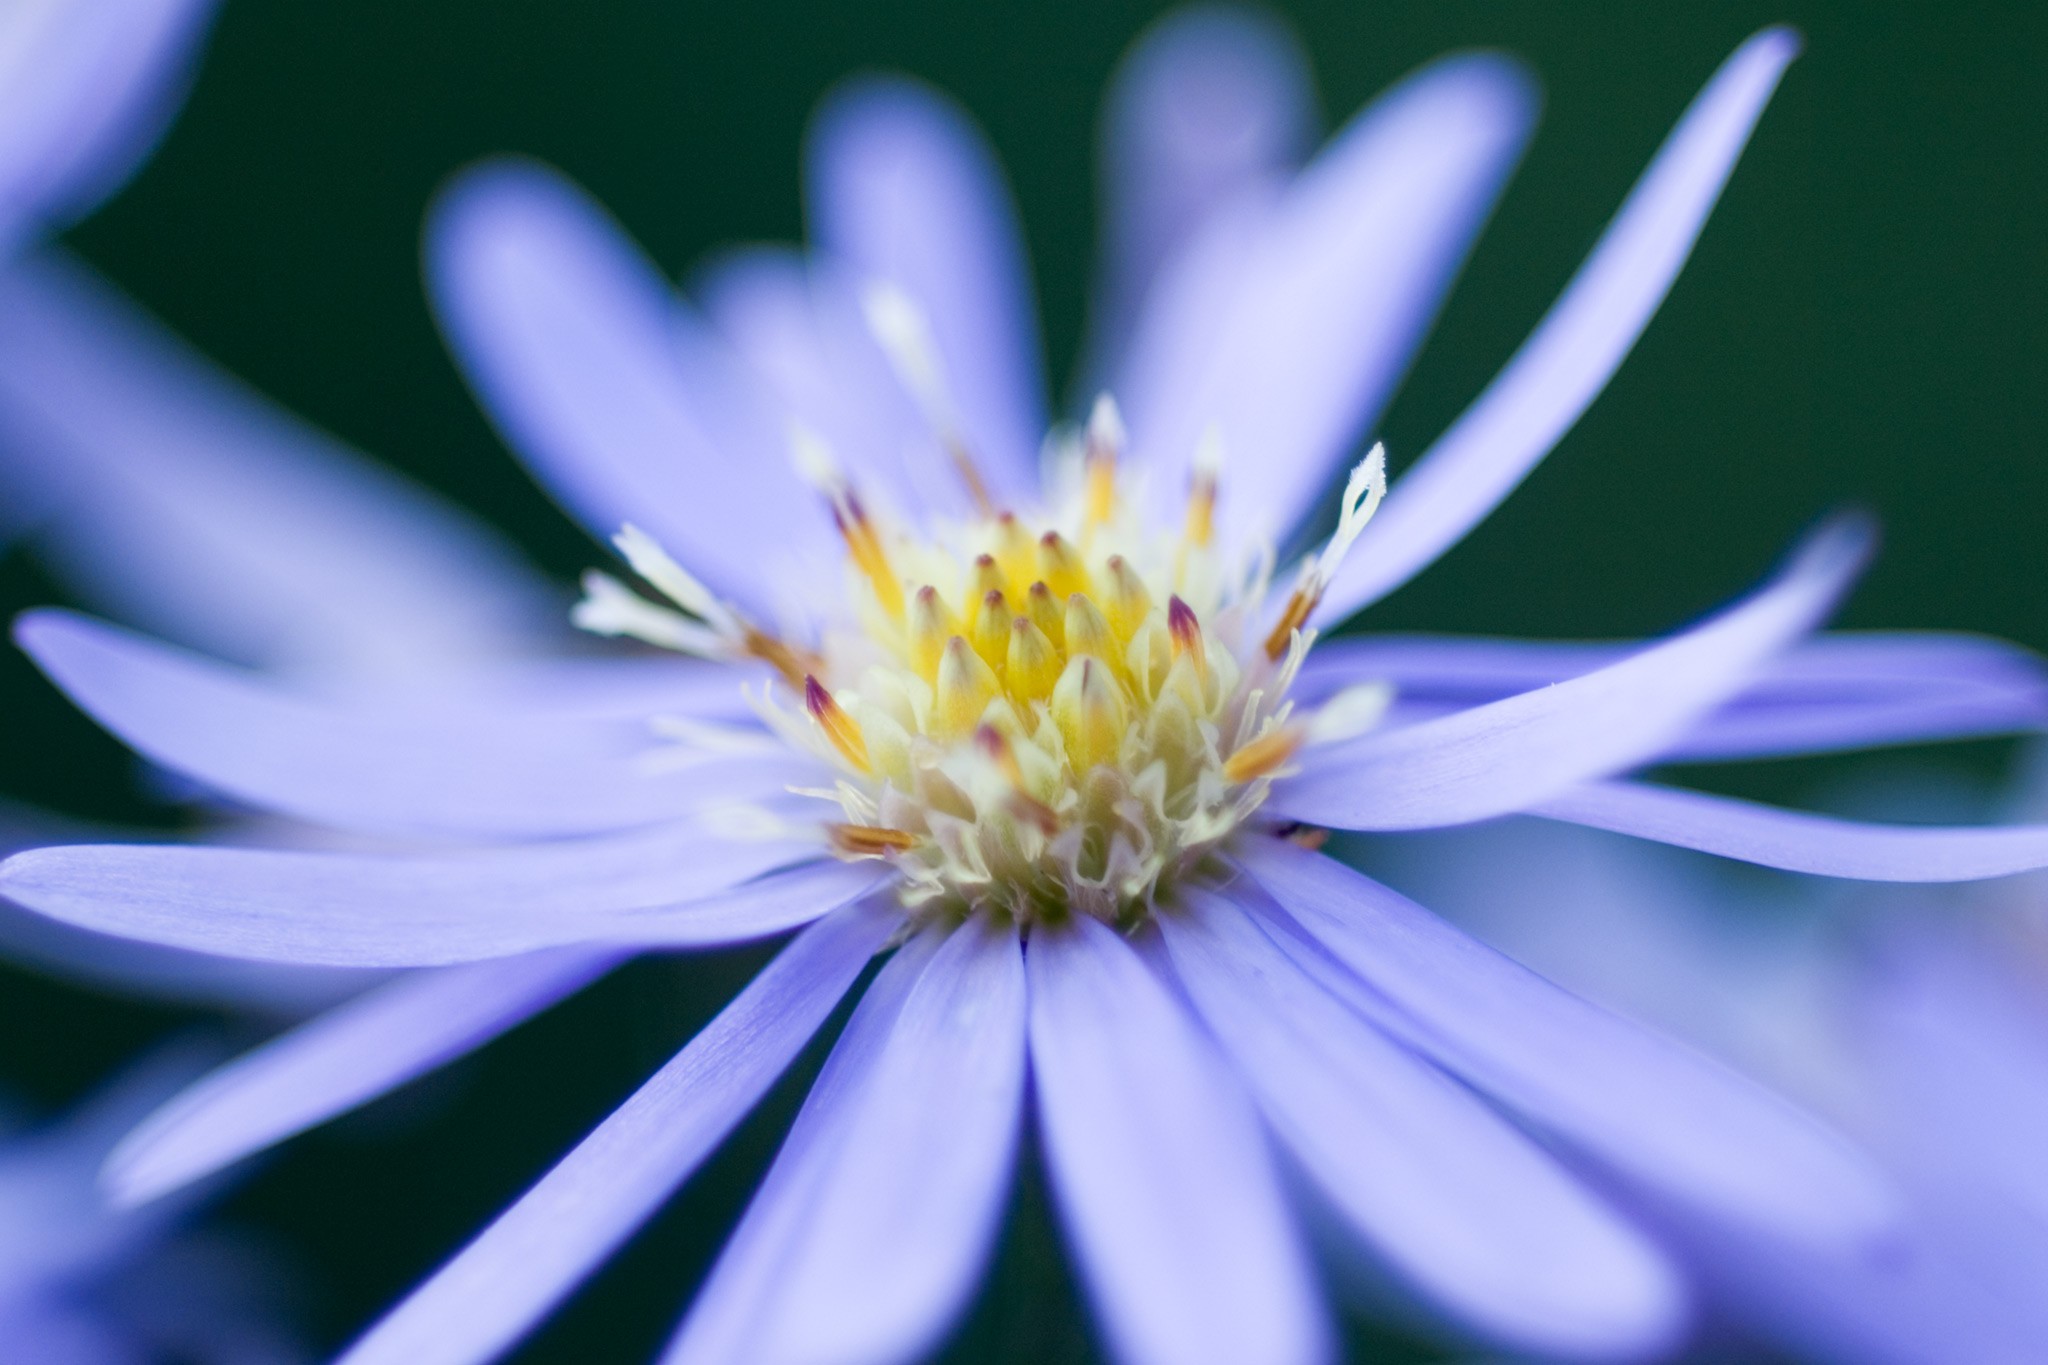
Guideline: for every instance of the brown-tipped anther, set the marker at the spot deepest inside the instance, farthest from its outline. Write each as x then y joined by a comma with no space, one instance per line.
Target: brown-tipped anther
1186,630
868,841
965,687
990,631
1020,803
1263,756
1299,605
1088,631
1126,602
970,475
1031,666
843,730
1016,550
985,577
794,665
1311,837
931,625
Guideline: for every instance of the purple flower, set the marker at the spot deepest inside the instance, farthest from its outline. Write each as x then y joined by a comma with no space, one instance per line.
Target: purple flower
83,1285
1057,741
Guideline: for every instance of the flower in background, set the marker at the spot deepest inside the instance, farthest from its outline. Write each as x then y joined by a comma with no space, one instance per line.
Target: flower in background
1059,743
83,1285
1917,1018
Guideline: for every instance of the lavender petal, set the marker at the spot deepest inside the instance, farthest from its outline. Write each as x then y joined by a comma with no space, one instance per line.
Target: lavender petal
342,1059
1162,1177
1577,347
1470,1211
870,1230
1502,757
1638,1101
514,1273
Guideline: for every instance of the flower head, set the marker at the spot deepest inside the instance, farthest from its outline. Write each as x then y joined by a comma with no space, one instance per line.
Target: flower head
1054,733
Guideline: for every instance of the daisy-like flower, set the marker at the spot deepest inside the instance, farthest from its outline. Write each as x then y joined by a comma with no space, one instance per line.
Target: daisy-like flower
81,1284
1061,743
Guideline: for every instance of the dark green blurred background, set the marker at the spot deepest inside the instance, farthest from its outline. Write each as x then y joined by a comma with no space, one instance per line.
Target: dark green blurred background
1862,322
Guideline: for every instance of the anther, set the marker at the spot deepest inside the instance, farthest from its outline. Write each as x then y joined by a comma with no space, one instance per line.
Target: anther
1046,613
990,633
814,461
1126,603
1060,567
1186,630
966,686
985,577
1088,631
1362,494
1032,665
1201,518
843,730
868,841
931,625
1262,756
999,751
1016,550
1088,707
1105,443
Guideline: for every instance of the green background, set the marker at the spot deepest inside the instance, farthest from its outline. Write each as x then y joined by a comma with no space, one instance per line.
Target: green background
1862,323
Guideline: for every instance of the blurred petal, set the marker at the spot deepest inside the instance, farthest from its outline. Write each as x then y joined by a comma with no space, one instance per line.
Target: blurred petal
85,92
1799,841
904,191
189,505
1469,1210
1211,103
345,1058
1577,347
518,1269
1645,1105
347,911
581,353
1502,757
1290,338
1169,1196
1848,690
871,1229
375,769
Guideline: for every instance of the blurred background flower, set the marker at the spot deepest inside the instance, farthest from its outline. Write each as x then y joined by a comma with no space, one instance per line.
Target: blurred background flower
1866,323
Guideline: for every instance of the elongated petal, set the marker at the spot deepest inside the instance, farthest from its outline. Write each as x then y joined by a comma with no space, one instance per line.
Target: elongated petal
1799,841
871,1229
1638,1101
1163,1179
581,353
1577,347
1473,1213
903,190
85,92
1849,690
187,504
342,1059
1291,343
381,770
324,909
494,1291
1493,759
1209,105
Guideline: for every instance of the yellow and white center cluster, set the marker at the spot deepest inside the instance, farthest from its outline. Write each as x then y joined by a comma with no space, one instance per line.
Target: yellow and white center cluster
1044,714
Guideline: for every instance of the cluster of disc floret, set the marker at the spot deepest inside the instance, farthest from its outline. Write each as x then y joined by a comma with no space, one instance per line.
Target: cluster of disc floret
1045,715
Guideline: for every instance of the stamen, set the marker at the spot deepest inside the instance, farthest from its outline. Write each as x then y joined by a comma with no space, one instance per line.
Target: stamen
1045,613
990,633
868,841
993,743
1127,602
931,625
965,687
1032,665
609,607
1186,631
672,580
985,577
1016,550
1088,631
814,461
1060,566
1362,494
793,664
1105,443
900,328
1263,755
1201,519
843,730
1088,707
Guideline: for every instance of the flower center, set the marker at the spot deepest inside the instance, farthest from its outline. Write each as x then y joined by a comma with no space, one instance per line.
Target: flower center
1045,714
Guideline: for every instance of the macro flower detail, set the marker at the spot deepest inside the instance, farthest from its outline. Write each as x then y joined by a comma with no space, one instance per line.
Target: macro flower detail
1057,746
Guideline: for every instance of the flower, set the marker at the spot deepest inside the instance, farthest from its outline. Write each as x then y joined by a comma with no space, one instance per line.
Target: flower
81,1285
1917,1018
1058,746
